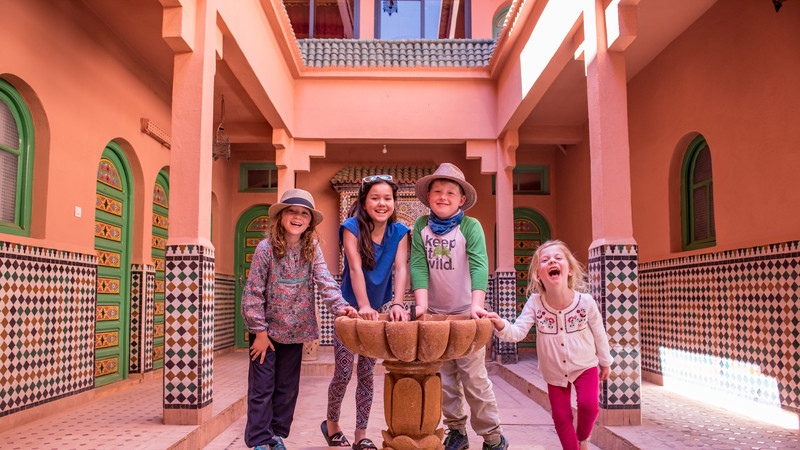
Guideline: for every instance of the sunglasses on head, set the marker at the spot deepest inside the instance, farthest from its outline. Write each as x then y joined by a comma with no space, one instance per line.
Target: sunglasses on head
372,178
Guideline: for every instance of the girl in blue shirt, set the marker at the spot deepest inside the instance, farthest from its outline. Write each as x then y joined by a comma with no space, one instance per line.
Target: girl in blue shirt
373,242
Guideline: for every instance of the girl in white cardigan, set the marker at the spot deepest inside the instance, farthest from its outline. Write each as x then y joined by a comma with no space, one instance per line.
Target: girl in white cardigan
571,340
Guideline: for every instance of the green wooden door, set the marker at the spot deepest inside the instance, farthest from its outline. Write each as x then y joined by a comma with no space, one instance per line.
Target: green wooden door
112,244
530,231
250,230
158,253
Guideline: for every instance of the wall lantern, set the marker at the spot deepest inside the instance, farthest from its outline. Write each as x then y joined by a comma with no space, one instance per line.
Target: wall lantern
222,144
776,3
390,6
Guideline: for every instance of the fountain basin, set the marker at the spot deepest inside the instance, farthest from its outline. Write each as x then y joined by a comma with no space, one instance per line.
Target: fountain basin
430,338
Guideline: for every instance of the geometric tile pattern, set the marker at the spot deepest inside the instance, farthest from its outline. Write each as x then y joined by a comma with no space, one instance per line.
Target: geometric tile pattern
47,317
224,311
142,287
137,318
613,277
189,331
505,304
730,318
325,317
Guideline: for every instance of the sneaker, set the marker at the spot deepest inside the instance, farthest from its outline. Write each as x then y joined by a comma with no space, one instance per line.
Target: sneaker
261,447
502,445
279,445
456,440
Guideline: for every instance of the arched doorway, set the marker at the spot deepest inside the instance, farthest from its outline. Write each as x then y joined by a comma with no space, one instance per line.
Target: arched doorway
158,253
112,231
530,230
250,229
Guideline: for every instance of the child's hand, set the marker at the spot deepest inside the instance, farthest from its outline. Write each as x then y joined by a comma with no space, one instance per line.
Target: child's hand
476,312
260,346
419,311
367,313
398,314
496,320
605,371
348,311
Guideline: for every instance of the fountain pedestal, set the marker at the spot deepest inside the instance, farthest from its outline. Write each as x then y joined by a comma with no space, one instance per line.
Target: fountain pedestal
413,353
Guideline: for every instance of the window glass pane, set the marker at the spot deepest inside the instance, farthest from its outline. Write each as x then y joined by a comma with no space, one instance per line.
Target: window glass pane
529,181
333,19
700,210
406,23
9,135
702,166
712,228
298,15
8,186
260,178
433,10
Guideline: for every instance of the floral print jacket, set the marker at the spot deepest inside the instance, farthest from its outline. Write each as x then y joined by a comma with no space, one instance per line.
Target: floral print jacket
279,294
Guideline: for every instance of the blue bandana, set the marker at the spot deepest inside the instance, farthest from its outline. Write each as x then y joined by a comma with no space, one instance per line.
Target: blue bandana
441,227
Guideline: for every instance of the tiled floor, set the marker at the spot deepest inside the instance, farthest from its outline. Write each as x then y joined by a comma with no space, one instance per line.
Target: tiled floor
673,421
131,417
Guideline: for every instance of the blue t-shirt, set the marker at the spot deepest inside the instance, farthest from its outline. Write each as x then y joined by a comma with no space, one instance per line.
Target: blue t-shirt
379,279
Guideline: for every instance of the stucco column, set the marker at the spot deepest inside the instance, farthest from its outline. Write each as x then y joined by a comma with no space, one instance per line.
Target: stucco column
190,30
613,254
293,155
499,158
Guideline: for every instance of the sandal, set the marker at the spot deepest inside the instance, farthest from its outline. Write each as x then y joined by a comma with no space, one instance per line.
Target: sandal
364,444
337,440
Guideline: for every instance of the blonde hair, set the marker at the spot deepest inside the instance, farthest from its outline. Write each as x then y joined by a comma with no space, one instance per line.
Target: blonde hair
277,237
576,281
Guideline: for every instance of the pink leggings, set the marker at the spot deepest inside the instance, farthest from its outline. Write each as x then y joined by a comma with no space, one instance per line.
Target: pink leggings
587,389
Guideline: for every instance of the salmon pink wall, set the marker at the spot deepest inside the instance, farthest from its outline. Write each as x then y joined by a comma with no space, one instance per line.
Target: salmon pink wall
91,91
572,184
483,12
400,109
752,135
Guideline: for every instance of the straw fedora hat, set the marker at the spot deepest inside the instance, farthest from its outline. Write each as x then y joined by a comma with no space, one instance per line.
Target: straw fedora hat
447,171
294,197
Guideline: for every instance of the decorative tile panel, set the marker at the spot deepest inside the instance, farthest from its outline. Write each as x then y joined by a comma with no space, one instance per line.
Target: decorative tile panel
506,306
141,318
224,311
726,321
109,205
189,333
47,308
614,282
107,312
108,259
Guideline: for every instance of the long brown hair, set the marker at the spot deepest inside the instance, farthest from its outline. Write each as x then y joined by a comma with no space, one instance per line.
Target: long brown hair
365,225
277,236
576,281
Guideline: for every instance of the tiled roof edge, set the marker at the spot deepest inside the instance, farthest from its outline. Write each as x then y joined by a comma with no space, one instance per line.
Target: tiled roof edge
396,53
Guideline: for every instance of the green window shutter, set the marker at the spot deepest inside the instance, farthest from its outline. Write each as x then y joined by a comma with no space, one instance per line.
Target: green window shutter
697,197
16,162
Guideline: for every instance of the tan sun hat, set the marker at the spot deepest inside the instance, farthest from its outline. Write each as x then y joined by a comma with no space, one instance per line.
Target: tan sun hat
447,171
297,197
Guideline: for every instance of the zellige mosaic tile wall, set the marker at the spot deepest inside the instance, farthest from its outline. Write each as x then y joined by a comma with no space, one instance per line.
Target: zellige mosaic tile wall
47,316
729,320
224,311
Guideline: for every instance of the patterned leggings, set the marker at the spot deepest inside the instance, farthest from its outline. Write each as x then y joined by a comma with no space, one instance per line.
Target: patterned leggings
341,378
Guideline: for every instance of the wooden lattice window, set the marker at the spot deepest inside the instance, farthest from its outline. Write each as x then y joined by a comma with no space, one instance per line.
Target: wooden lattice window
258,177
16,162
697,197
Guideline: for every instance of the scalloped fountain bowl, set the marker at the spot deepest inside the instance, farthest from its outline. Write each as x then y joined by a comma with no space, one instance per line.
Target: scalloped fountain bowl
413,352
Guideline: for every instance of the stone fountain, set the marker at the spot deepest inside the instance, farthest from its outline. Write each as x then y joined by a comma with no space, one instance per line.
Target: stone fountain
413,353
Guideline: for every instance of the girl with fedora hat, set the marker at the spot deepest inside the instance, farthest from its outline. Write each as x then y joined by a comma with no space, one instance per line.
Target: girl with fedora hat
279,312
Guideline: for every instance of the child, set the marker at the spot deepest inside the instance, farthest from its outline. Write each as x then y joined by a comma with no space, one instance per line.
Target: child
373,241
570,339
278,310
449,274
